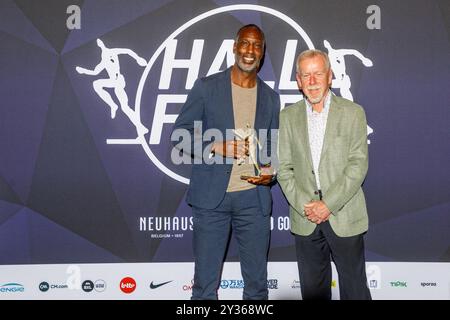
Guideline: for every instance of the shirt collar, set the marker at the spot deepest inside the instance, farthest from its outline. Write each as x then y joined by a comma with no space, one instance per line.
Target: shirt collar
326,104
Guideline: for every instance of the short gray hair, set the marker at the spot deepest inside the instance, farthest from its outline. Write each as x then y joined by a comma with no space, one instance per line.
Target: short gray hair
311,53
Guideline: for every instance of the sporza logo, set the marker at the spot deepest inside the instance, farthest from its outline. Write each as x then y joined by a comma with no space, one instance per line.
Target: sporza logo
428,284
288,89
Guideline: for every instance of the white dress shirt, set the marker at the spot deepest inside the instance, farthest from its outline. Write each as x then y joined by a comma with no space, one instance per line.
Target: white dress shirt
317,123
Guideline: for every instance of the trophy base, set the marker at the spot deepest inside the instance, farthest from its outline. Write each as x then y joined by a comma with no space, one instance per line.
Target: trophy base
245,177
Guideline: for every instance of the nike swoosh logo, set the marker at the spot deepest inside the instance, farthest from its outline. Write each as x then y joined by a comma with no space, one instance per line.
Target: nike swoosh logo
154,286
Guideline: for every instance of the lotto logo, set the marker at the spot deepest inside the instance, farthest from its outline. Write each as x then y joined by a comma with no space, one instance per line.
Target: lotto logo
127,285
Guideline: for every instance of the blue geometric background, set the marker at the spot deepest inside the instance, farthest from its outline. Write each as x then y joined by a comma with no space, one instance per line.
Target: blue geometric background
68,197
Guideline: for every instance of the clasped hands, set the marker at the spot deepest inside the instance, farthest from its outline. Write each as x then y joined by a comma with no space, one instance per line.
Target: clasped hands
239,149
316,211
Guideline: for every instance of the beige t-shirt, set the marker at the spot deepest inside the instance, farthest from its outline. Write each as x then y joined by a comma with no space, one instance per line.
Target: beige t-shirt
244,108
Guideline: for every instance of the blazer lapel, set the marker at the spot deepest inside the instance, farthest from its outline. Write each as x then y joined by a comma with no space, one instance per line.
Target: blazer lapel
302,129
262,114
227,98
334,115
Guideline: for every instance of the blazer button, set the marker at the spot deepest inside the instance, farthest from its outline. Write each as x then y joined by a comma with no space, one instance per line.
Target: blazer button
316,192
312,171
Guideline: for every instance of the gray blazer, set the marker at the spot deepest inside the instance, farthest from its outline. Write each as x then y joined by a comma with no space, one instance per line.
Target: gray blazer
343,166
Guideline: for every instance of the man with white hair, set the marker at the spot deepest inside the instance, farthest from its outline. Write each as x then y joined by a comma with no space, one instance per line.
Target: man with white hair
323,160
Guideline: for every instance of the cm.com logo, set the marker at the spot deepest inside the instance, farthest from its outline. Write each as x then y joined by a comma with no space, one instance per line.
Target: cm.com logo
44,286
127,285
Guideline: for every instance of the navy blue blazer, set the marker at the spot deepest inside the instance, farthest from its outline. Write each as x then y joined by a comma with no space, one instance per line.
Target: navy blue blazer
210,103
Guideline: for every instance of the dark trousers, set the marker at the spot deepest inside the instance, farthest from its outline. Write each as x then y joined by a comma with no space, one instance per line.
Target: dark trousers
314,254
239,211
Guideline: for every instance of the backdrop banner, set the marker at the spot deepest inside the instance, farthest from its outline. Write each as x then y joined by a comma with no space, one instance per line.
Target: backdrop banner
90,91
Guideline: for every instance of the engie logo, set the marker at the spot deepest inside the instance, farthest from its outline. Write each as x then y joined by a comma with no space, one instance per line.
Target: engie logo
127,285
12,288
196,49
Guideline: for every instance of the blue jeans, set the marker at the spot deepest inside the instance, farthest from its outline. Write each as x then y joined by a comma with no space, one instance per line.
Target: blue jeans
240,212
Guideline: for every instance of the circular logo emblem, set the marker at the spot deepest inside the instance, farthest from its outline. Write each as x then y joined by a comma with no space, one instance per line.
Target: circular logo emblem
127,285
100,285
87,286
44,286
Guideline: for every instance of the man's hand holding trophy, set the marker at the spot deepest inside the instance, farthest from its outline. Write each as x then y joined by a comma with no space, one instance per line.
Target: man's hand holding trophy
264,173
